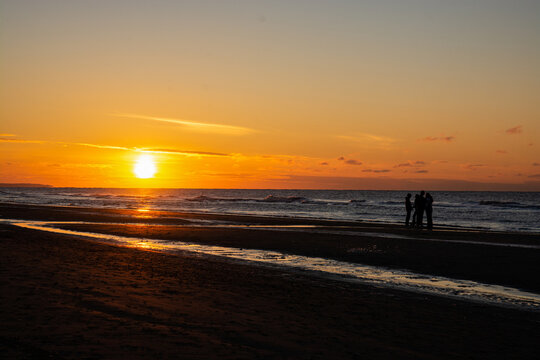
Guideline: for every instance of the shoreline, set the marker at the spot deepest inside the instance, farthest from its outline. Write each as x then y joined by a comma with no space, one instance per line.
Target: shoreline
475,256
270,219
153,215
67,298
384,277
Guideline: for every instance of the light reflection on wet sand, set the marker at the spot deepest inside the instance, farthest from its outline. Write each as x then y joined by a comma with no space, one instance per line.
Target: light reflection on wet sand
337,270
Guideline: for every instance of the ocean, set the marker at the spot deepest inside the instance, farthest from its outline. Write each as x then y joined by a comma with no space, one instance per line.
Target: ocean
498,211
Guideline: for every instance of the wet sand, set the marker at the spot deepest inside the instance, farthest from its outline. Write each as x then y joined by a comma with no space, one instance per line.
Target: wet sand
460,254
65,297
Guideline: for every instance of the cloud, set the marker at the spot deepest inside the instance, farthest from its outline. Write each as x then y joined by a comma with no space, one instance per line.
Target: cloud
410,163
535,164
324,163
472,166
122,148
152,150
23,141
514,130
96,146
421,171
81,165
198,126
182,152
501,152
534,176
7,135
350,161
440,138
377,170
371,140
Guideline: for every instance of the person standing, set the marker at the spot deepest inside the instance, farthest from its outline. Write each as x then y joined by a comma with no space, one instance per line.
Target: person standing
429,211
408,208
419,205
415,212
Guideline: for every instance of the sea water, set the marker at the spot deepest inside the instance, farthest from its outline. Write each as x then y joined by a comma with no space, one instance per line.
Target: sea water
501,211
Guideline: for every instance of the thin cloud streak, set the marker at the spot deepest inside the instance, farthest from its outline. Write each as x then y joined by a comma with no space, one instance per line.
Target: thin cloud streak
410,163
97,146
371,140
514,130
377,170
151,150
472,166
23,141
122,148
199,126
182,152
350,161
440,138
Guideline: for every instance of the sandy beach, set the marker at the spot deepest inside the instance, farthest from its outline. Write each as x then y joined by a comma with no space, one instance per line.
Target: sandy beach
66,297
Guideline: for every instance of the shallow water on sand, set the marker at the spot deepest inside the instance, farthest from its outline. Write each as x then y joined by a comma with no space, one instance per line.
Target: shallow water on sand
337,270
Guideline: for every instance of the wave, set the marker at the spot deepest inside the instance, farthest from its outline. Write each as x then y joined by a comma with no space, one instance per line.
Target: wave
508,204
268,199
204,198
498,203
284,199
391,202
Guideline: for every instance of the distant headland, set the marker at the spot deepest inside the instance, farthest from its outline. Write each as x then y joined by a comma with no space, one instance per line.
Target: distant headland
26,185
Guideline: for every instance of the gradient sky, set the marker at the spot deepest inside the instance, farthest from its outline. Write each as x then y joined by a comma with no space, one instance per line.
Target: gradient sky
272,94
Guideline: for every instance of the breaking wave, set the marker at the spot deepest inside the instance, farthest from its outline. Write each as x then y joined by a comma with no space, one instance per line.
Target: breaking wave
508,204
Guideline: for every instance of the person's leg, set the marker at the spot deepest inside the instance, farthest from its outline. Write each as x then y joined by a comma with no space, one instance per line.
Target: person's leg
420,218
407,218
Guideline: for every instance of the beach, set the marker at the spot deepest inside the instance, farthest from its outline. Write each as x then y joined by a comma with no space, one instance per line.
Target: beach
64,296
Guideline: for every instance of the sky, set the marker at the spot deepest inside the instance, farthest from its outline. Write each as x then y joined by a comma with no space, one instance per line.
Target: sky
387,94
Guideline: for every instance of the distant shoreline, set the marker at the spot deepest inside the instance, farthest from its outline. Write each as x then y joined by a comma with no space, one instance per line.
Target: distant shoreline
24,185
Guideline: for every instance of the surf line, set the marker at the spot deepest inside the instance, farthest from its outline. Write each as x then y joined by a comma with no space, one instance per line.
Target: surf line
333,269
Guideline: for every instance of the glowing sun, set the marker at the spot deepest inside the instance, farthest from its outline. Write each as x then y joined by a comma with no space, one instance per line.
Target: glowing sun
145,167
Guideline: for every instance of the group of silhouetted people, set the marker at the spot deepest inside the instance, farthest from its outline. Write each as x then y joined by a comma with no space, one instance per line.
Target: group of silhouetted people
422,203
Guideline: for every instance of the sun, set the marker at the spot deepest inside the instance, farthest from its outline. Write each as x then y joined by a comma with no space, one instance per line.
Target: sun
145,167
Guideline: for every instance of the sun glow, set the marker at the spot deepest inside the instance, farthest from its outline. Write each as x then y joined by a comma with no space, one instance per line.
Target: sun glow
145,167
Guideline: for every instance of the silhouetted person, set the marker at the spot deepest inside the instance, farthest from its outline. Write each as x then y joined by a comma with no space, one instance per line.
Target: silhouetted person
419,205
415,208
429,211
408,208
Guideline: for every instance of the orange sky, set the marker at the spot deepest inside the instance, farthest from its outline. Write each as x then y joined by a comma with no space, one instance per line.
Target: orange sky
314,94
